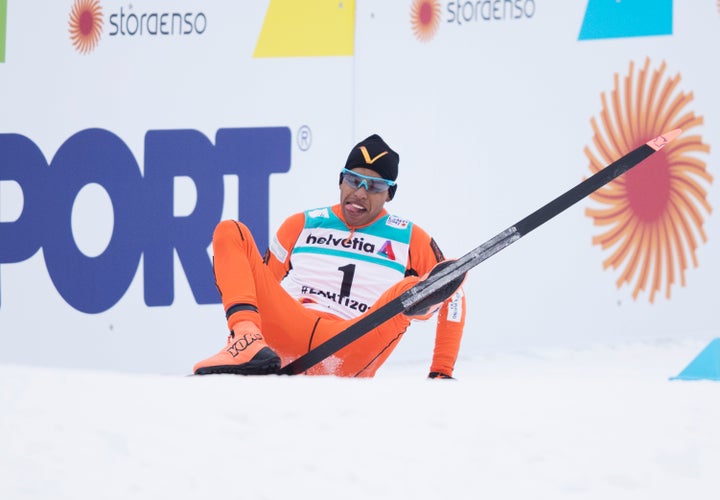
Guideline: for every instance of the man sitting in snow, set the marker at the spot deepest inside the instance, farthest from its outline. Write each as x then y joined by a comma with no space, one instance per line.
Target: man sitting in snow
325,269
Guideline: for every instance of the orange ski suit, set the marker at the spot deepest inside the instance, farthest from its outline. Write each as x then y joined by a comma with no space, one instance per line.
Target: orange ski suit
294,325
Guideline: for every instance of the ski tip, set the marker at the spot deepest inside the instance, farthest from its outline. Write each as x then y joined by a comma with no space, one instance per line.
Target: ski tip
660,141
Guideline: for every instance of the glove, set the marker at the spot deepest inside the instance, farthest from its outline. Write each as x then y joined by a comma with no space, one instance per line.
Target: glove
440,375
430,304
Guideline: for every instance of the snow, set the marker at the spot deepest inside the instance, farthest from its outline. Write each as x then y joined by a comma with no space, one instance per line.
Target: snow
595,423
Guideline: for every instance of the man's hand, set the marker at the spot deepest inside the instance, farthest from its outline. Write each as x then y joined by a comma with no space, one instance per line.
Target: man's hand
430,304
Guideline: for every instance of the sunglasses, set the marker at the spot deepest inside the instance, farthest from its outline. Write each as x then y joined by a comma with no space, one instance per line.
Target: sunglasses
371,184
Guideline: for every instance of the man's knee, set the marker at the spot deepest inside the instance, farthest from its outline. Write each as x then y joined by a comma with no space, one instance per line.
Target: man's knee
228,230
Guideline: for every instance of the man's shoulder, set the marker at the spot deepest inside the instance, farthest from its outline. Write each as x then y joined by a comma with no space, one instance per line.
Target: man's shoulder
325,217
320,212
312,213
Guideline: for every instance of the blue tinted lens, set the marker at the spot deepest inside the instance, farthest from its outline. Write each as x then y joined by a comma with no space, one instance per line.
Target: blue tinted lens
371,184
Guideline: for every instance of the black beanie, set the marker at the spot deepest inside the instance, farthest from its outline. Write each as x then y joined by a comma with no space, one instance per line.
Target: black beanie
375,154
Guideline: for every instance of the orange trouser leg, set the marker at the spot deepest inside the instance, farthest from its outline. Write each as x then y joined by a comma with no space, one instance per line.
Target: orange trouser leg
288,327
243,279
236,263
365,355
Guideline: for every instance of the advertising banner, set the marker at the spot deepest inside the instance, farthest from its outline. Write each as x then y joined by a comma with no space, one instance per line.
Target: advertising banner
129,130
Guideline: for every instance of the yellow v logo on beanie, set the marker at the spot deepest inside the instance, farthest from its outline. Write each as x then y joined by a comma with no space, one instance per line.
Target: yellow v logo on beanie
366,155
385,162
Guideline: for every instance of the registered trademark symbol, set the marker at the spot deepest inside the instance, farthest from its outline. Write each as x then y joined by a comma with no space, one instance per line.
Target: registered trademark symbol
304,138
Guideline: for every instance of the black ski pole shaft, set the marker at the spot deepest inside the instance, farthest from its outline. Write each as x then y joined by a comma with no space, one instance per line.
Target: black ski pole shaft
435,286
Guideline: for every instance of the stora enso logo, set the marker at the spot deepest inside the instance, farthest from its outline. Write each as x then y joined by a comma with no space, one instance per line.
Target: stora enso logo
425,15
650,221
86,24
602,19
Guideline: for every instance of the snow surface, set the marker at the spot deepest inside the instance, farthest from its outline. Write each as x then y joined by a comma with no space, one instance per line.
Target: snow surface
597,423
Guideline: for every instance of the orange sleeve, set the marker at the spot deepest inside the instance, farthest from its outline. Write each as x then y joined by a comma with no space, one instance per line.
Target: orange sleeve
277,258
424,254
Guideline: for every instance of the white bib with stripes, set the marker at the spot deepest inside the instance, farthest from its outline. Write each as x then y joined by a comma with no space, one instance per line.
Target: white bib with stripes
344,272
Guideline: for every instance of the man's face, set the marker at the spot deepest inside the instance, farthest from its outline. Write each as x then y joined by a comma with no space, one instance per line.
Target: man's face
359,207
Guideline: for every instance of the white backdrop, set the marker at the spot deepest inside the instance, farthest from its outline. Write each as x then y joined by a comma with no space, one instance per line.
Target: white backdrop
490,115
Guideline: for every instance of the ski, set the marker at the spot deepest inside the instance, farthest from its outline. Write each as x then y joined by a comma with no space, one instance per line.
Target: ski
444,280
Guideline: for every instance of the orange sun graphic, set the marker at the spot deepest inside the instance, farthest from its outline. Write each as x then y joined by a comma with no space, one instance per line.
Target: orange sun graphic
86,22
425,18
652,214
